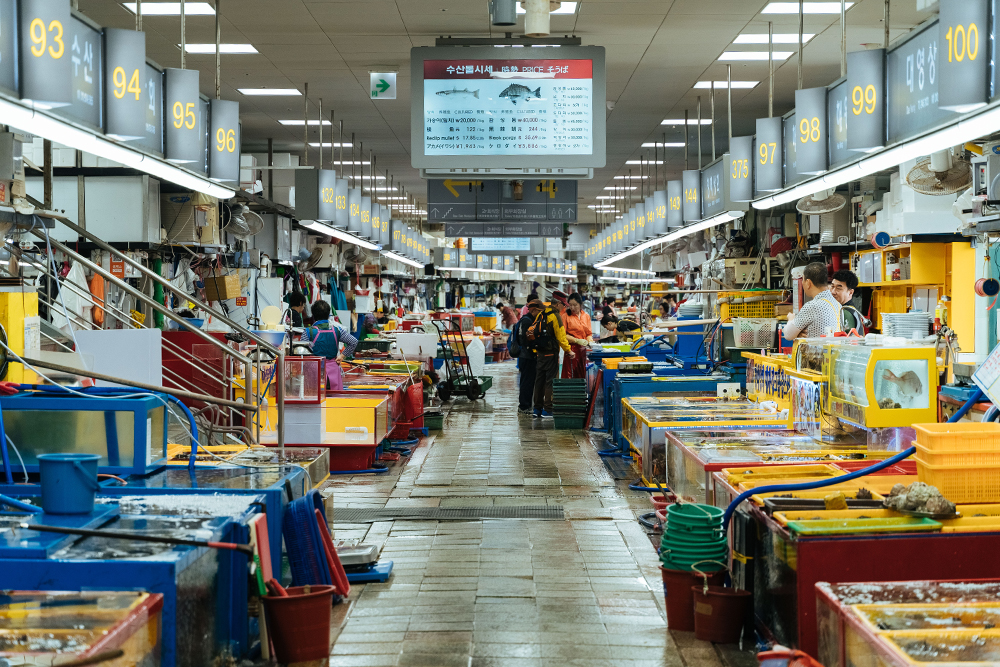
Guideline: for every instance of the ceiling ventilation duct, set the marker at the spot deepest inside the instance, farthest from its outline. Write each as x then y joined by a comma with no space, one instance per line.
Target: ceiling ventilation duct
536,17
504,12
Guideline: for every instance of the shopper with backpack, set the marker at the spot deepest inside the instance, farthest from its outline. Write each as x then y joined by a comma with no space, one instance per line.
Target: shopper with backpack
545,335
519,348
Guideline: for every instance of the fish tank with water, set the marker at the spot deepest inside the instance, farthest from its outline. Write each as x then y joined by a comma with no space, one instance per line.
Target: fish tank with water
882,386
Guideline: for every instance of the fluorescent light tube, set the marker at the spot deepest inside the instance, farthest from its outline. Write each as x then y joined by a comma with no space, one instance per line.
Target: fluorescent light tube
777,38
725,84
62,132
172,8
322,228
268,92
807,8
228,49
754,55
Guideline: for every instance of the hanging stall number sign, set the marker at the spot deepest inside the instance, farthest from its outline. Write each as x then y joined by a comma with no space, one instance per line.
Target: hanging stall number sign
44,55
86,55
912,77
660,214
767,155
675,204
125,101
865,99
342,218
741,169
224,147
8,47
691,179
837,110
790,169
183,121
713,200
963,31
154,110
811,131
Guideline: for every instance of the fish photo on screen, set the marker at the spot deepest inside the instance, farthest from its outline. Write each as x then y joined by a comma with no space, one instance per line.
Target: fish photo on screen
516,92
462,93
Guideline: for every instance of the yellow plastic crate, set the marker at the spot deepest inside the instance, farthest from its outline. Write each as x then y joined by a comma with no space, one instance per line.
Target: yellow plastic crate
612,363
945,647
778,474
959,437
764,309
961,483
819,513
958,457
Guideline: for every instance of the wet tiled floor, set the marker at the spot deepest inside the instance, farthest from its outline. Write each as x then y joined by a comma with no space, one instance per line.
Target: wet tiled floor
585,591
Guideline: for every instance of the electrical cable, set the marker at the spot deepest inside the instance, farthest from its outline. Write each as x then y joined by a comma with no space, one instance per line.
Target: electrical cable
23,467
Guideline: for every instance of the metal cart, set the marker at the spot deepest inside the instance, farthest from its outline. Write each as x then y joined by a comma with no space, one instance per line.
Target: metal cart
460,379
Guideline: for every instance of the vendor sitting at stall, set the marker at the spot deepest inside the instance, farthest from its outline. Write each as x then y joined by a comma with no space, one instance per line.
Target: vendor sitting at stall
821,313
580,334
619,330
325,337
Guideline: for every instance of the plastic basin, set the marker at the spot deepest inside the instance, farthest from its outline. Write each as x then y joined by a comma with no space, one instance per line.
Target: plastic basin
275,338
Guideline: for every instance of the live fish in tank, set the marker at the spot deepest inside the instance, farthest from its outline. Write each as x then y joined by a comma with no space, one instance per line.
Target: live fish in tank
908,383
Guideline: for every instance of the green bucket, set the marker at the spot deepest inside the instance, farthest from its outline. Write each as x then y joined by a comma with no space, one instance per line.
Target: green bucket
686,543
693,515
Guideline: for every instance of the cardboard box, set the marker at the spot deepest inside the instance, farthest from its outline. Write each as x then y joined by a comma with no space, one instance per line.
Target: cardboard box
781,309
370,269
222,288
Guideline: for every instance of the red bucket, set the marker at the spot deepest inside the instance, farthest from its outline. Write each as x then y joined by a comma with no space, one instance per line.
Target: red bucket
677,586
720,613
299,625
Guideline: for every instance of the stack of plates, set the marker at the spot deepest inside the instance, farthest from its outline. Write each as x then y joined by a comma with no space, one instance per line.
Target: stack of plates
690,309
569,403
906,325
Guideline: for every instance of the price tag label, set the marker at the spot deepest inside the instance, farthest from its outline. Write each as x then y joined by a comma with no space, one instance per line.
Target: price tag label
768,162
125,102
241,301
184,130
864,100
118,269
44,53
811,139
691,180
224,143
963,54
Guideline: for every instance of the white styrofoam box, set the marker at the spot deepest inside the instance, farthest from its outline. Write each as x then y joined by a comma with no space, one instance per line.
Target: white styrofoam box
417,344
696,259
123,208
304,424
130,354
331,254
283,195
65,197
248,173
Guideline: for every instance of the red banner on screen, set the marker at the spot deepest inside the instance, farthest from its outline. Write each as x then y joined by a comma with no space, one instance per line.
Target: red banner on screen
497,69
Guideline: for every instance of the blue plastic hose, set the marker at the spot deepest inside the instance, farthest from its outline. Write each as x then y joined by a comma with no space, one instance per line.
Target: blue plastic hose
819,484
7,472
17,504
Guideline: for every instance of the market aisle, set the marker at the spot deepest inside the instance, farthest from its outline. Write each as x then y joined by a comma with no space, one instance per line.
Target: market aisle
584,590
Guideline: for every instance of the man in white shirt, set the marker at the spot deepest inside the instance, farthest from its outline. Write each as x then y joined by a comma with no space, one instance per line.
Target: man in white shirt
823,310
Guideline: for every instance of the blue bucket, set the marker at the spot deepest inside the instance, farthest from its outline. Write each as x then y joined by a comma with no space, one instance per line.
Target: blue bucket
69,482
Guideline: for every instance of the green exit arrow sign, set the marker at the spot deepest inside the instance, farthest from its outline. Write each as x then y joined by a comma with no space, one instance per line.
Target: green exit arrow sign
383,85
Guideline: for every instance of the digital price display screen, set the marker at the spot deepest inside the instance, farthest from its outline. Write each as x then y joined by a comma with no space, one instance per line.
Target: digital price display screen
492,107
508,107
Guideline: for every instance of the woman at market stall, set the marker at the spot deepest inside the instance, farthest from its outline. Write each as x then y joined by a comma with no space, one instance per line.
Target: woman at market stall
325,337
580,334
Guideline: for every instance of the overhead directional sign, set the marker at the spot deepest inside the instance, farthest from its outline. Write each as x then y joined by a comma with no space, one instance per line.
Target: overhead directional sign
503,229
496,200
86,54
912,77
383,85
